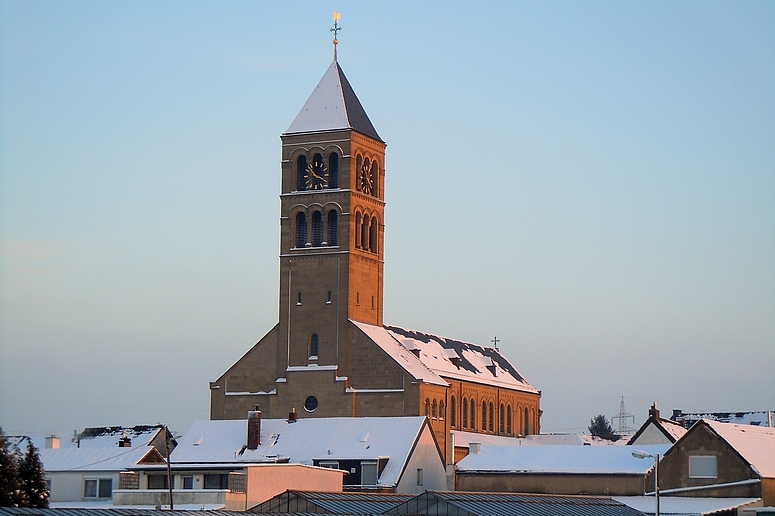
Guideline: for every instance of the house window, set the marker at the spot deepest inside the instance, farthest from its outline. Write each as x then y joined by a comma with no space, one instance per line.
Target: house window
158,482
419,476
368,473
217,481
452,415
188,482
330,464
98,488
702,466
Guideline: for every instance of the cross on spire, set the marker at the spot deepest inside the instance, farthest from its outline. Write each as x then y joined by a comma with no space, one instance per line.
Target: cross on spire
336,30
495,341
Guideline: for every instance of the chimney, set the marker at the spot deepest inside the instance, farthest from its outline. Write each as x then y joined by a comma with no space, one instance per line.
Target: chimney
254,428
125,442
654,411
52,442
292,415
474,448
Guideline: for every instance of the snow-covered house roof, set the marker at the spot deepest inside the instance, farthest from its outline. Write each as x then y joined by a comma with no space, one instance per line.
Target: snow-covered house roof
431,358
559,459
685,505
109,436
306,441
756,444
464,439
758,418
98,458
333,106
655,426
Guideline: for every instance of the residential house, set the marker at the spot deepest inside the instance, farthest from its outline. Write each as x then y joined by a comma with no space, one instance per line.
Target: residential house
657,430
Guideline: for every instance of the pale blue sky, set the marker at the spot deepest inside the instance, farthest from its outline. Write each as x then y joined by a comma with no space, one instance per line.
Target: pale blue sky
594,183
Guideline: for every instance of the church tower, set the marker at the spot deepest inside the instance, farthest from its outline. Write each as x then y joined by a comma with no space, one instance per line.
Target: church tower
332,225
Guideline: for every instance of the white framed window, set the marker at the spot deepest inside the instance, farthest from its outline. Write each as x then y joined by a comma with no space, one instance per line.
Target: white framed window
188,482
98,488
332,464
702,466
368,473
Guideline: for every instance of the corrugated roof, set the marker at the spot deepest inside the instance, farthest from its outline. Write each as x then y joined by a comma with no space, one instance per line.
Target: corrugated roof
677,505
508,504
560,459
113,511
304,441
755,443
441,357
93,459
333,503
333,105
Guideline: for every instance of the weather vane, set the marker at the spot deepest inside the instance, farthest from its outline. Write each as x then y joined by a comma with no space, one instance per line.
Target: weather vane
336,30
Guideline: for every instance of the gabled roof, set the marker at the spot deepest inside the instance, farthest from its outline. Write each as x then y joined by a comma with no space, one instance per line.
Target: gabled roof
670,429
439,357
464,439
559,459
98,459
333,106
305,441
512,504
756,444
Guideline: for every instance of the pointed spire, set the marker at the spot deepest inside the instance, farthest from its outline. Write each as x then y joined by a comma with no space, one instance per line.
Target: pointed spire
333,106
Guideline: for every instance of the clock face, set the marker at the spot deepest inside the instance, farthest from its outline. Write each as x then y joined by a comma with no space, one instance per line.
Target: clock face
317,176
365,184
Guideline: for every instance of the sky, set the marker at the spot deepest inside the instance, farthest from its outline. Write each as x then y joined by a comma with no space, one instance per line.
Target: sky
591,182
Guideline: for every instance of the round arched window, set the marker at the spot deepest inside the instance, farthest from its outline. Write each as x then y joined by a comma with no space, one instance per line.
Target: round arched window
311,404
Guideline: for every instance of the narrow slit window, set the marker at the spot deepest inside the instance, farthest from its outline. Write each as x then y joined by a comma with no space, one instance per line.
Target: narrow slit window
298,299
301,230
333,228
313,346
328,301
301,173
317,229
333,170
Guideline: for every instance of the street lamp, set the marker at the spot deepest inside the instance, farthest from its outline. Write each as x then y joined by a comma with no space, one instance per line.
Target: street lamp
639,454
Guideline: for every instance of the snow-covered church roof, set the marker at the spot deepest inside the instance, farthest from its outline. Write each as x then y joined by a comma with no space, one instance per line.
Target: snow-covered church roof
431,358
333,106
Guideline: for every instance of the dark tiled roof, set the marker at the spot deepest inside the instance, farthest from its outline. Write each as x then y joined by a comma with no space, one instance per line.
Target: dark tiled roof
332,503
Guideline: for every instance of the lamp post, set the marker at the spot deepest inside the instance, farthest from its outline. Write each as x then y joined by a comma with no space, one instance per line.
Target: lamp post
639,454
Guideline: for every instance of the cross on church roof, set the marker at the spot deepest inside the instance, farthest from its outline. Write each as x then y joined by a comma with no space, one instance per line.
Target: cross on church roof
495,341
336,30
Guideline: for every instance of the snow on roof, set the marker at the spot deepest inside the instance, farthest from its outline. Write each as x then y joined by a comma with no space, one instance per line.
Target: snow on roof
400,353
560,459
93,459
759,418
105,437
683,504
333,105
304,441
755,443
676,430
463,439
440,357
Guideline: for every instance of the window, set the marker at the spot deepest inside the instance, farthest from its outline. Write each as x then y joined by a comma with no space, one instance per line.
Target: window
465,413
419,476
368,473
301,173
333,228
331,464
702,466
365,232
358,222
311,404
333,172
373,235
298,299
484,416
502,417
158,482
441,410
313,346
301,230
188,482
98,488
427,407
328,301
434,410
374,178
217,481
492,418
508,420
473,414
317,229
527,422
452,415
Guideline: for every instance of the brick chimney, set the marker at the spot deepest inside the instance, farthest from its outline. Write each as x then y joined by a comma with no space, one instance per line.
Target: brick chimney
254,428
654,411
292,415
125,442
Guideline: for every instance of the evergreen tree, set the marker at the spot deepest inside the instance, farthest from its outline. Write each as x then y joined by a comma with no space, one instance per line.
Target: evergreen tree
32,480
9,471
600,427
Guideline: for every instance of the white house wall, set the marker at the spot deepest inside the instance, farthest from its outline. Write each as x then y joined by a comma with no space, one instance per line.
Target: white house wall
425,456
651,435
